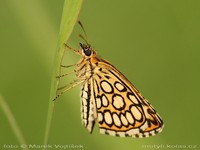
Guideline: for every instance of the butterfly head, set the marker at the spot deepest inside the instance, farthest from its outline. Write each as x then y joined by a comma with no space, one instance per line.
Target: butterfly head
87,50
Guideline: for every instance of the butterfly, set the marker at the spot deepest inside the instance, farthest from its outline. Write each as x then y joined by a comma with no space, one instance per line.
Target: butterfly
109,99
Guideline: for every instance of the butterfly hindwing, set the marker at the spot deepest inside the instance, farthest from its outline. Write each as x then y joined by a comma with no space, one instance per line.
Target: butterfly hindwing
87,107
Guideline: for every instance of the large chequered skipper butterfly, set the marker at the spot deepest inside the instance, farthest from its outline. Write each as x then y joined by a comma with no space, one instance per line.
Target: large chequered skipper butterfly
109,98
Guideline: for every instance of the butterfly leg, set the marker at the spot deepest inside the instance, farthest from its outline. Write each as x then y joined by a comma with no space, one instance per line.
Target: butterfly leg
68,66
72,49
68,85
63,75
72,85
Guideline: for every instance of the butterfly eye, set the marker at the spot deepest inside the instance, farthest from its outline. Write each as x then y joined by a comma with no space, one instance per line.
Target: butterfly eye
87,52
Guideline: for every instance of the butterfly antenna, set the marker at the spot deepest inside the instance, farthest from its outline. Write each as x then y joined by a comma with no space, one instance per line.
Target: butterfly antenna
82,37
85,35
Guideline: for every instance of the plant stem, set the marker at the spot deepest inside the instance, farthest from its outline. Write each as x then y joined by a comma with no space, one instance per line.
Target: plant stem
70,14
13,123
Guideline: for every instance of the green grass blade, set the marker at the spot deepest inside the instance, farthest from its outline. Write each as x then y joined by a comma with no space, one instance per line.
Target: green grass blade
13,123
70,14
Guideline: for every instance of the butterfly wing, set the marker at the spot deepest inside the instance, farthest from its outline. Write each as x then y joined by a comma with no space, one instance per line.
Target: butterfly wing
88,111
120,109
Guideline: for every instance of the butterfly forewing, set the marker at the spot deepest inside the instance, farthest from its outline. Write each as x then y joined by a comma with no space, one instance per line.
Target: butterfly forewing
121,109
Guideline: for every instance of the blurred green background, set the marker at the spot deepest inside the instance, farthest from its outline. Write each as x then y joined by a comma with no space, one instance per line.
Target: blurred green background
155,44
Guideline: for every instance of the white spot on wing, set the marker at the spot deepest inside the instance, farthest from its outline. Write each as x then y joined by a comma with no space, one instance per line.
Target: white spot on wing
121,134
100,117
107,117
118,102
133,132
112,133
129,117
85,95
102,131
84,101
116,120
104,101
133,99
98,102
119,86
85,115
106,87
136,113
124,120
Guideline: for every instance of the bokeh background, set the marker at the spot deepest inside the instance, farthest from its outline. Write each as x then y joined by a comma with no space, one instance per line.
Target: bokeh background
155,44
